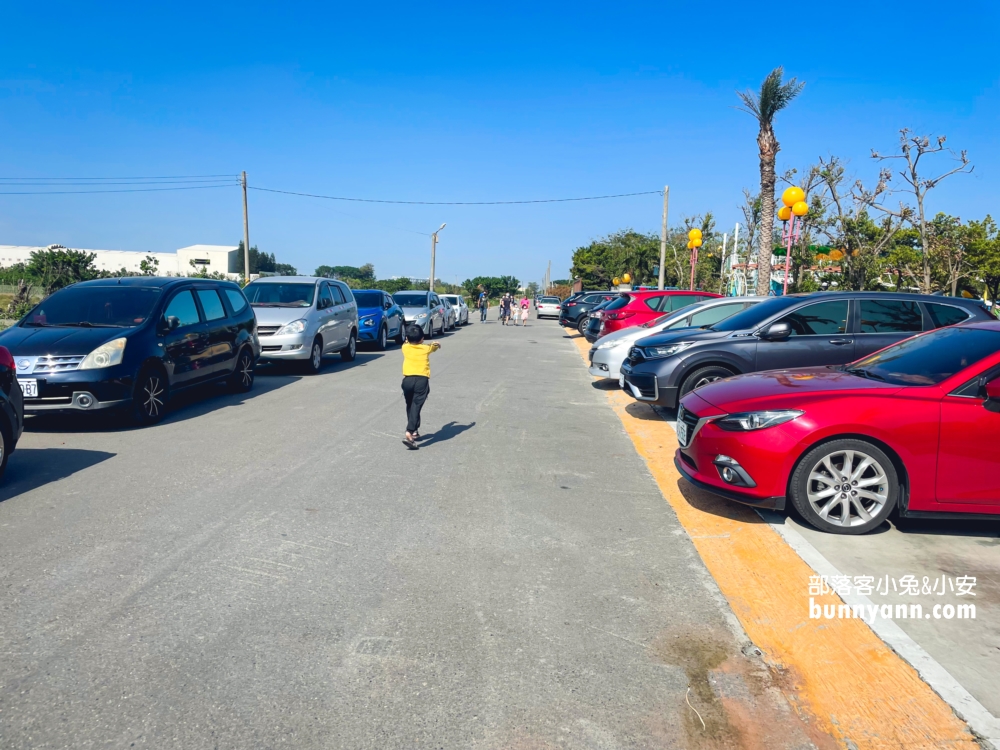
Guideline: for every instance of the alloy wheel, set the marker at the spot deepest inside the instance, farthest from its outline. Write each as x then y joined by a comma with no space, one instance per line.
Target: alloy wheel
317,356
152,396
706,380
246,370
847,488
382,338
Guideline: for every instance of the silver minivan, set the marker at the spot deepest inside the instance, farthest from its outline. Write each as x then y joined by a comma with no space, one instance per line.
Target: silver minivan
304,317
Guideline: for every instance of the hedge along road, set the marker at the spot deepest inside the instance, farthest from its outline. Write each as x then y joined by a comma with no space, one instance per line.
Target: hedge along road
839,675
277,567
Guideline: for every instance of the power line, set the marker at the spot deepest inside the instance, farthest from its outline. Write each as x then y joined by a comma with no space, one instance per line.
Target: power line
130,190
12,183
162,177
455,203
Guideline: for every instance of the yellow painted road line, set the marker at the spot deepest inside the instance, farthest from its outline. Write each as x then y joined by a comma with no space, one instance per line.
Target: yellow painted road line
837,673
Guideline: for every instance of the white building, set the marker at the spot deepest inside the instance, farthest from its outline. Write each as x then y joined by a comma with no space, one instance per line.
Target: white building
221,258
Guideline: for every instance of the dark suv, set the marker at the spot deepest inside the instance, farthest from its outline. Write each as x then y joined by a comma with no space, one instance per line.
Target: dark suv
574,312
825,328
131,342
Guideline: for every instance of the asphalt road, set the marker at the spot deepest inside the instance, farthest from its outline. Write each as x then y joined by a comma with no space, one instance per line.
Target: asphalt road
276,569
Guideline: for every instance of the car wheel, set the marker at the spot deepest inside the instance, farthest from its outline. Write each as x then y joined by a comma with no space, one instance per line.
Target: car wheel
348,352
315,362
429,333
581,325
401,334
150,396
5,445
383,338
704,376
845,486
241,381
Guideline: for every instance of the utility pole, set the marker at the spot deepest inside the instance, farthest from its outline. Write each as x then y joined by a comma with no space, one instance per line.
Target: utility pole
434,243
246,232
548,278
663,237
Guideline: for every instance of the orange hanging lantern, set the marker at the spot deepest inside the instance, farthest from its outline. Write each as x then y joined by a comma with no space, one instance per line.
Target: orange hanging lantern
801,208
792,196
784,213
696,242
627,278
694,234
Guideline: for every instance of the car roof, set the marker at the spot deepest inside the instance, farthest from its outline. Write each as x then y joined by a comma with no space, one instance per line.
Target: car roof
295,279
988,325
154,282
850,294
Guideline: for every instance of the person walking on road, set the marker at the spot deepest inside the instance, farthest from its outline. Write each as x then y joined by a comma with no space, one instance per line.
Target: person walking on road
484,306
416,380
505,308
525,307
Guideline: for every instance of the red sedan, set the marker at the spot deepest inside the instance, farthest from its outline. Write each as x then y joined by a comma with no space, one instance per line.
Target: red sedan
914,426
636,308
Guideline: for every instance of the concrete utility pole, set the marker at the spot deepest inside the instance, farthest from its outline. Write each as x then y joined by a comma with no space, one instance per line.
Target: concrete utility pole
434,243
548,278
663,237
246,232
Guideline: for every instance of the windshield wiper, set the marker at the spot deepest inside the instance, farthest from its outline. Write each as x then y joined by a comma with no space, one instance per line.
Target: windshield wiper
88,324
862,373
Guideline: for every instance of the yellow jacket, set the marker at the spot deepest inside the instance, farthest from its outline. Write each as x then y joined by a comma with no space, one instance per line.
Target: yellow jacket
417,359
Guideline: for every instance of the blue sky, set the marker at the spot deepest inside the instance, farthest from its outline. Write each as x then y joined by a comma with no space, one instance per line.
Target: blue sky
457,102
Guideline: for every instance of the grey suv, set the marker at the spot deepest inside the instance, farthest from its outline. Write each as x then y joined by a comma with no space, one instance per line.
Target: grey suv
798,330
302,318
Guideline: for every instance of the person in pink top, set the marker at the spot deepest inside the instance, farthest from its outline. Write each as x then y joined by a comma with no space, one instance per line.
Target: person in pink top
525,306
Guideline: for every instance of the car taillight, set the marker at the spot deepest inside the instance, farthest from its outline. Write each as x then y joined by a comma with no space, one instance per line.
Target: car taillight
570,304
620,315
6,358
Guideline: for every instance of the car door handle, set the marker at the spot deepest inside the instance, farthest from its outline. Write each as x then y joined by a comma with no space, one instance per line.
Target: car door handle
841,342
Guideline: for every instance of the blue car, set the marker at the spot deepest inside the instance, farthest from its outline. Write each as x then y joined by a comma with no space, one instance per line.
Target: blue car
379,317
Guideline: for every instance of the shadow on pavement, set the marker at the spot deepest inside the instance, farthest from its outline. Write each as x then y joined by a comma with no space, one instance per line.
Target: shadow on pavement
948,527
605,384
447,432
29,468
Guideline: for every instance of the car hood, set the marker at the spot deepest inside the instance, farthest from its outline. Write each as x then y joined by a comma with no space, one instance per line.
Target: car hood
415,310
632,335
279,316
364,311
57,340
682,334
786,388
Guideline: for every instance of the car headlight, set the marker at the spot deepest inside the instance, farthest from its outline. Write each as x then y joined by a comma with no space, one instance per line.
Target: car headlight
421,316
659,352
106,355
614,344
296,326
368,322
757,420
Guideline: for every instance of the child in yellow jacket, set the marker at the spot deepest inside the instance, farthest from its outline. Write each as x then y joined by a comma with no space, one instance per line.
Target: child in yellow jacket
416,380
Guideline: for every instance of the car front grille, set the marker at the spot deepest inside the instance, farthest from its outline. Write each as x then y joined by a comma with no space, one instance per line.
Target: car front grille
644,383
267,330
635,355
52,364
270,348
690,419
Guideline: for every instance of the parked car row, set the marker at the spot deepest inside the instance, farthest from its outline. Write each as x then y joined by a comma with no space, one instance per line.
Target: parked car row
132,343
847,406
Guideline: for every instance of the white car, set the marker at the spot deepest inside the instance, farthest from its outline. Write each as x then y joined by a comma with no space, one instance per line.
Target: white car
548,307
461,309
607,355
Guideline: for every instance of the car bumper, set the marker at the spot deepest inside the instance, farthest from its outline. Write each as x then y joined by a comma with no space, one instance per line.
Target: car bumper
369,333
686,471
289,346
645,386
81,390
604,363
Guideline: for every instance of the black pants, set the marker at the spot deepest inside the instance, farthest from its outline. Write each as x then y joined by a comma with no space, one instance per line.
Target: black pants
416,389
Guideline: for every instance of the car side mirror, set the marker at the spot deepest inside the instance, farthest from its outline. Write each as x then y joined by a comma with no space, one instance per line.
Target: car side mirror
777,331
991,395
173,322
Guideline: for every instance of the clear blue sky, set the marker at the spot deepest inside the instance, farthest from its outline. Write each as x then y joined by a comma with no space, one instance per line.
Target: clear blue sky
459,102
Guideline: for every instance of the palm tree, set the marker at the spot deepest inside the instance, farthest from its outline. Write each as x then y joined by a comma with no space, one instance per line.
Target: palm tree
773,97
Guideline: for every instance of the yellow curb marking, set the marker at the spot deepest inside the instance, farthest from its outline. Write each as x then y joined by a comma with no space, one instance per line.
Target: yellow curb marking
838,674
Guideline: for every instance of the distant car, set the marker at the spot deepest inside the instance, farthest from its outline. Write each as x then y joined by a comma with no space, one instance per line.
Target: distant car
635,308
914,426
795,330
450,314
422,308
608,354
132,343
301,318
573,312
548,307
462,310
379,317
595,321
11,408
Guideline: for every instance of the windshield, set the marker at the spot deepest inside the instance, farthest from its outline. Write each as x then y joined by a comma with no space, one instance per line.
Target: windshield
928,359
95,307
754,316
411,299
617,304
451,298
549,300
280,294
368,299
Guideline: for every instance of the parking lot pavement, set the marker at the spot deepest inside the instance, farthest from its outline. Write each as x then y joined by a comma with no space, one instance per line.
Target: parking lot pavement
277,568
960,657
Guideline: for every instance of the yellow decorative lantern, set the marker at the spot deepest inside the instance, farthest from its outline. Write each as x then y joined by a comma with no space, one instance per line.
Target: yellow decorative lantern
627,279
784,213
792,196
694,234
801,208
690,246
696,242
616,281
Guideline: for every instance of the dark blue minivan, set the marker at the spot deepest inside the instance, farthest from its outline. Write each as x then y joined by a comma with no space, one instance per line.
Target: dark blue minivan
130,343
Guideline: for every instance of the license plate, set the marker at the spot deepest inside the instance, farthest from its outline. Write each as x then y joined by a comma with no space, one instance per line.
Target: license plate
29,388
682,433
621,381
